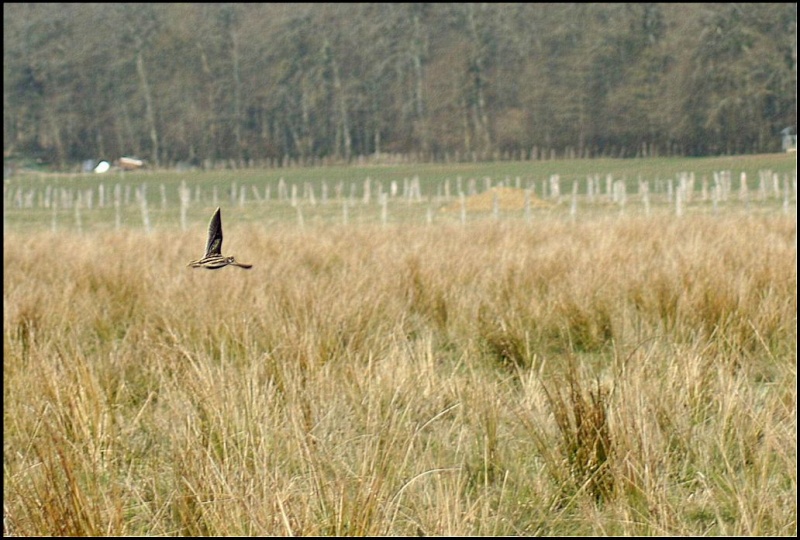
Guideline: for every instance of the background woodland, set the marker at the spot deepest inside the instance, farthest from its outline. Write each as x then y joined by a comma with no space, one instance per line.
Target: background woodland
255,85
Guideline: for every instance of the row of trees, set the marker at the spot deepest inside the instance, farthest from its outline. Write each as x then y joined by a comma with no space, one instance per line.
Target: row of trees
250,82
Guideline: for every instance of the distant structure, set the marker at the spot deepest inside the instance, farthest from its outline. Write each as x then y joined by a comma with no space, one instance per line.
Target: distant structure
123,163
789,140
102,167
130,163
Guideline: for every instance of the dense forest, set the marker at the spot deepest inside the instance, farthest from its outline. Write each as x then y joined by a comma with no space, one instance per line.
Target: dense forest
271,84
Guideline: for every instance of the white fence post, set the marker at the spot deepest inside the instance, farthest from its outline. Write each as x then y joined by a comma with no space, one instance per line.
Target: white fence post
78,222
573,207
142,194
527,205
185,195
367,190
117,205
54,206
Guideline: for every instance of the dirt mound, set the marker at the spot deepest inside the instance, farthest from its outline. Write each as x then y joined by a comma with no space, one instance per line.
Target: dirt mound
507,199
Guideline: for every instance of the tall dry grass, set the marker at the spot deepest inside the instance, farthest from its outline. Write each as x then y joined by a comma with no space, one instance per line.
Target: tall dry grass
612,376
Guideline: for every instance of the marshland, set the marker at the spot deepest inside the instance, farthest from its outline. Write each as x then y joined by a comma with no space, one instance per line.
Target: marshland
589,365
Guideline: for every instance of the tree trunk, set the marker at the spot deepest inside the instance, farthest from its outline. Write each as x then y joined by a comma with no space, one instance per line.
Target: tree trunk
148,101
480,115
417,51
237,96
343,124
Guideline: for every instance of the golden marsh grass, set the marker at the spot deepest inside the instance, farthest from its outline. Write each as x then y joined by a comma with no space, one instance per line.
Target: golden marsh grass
618,375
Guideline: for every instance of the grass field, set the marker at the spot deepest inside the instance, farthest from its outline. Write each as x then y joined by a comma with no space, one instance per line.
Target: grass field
87,202
612,374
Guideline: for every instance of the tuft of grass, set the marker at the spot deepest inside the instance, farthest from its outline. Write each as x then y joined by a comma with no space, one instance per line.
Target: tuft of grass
582,417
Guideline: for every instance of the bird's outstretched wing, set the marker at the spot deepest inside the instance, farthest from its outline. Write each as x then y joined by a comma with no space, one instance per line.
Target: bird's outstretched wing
214,246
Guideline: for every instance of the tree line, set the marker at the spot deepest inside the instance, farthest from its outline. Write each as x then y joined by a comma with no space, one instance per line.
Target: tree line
247,83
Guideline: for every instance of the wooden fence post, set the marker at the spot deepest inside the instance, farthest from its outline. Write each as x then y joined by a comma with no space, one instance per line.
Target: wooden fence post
744,194
78,221
54,206
786,194
185,195
117,205
573,207
527,205
142,194
367,184
644,190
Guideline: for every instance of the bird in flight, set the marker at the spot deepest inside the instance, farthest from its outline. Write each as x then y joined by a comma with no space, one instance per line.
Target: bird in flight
213,258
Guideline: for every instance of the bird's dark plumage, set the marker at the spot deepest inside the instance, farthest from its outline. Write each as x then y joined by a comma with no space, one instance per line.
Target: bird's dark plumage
213,258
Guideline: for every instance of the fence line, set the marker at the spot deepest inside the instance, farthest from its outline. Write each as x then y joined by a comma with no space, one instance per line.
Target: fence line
682,192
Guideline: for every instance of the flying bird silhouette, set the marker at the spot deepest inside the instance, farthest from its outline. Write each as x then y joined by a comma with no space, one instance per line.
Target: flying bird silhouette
213,258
